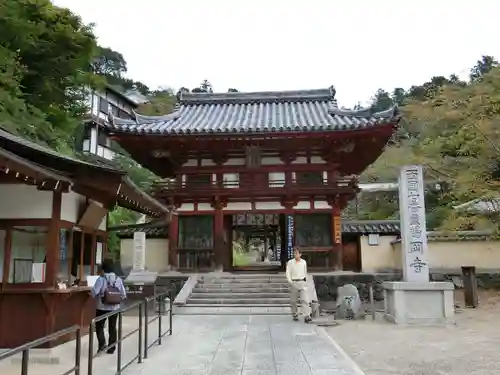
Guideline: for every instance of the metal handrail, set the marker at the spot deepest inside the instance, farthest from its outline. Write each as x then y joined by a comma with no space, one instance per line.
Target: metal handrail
141,330
25,349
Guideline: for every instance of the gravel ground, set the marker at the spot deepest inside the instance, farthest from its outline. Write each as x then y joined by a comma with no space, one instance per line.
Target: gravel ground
472,347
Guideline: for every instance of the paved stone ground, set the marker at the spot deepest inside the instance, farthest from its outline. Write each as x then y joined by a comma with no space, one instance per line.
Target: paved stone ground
247,345
470,348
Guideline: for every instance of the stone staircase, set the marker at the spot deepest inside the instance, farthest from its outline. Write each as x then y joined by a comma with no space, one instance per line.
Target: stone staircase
239,294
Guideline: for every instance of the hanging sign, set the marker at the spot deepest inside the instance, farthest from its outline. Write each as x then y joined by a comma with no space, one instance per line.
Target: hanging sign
289,235
337,229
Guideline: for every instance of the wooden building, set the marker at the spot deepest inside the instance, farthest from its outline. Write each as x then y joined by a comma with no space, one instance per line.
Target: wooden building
53,229
293,156
364,242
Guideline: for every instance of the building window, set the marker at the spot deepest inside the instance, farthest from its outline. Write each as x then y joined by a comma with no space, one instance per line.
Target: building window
198,180
309,178
196,232
28,255
124,115
313,230
102,139
103,105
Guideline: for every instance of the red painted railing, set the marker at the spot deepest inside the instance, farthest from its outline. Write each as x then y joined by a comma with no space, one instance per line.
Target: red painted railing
249,189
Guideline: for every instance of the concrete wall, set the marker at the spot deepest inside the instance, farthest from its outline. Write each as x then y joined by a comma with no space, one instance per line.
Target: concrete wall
156,254
441,255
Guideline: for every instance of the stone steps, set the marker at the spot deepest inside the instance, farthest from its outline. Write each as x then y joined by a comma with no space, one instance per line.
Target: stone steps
234,305
240,285
229,294
238,301
254,295
231,289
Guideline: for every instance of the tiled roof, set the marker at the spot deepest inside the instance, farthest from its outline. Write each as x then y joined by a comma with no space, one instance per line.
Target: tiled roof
258,112
160,229
369,226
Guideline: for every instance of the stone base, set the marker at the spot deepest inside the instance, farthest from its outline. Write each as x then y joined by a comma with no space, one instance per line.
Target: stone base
419,303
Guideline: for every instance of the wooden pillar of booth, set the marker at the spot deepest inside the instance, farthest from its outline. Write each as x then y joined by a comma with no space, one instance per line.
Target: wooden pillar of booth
53,238
335,258
173,241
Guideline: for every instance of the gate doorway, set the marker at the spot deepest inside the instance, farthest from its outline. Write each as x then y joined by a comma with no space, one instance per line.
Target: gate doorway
257,242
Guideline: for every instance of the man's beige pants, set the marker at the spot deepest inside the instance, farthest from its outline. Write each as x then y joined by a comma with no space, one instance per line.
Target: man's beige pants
299,290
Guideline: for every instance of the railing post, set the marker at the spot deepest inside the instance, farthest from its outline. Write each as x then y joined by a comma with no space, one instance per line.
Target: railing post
146,328
119,345
25,362
171,310
91,349
139,343
78,351
159,320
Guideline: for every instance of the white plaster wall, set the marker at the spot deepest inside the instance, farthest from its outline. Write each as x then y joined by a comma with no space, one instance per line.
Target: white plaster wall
235,161
300,160
205,207
190,163
321,204
268,206
156,254
24,202
207,163
302,205
186,207
317,160
237,206
270,160
70,206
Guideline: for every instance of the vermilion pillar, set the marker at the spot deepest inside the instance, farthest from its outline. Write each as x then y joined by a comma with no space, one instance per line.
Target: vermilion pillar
219,252
173,240
336,253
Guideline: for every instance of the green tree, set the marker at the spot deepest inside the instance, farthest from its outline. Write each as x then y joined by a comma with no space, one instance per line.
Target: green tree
45,59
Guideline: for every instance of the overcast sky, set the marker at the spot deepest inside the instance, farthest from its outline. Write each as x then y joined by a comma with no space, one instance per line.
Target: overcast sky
258,45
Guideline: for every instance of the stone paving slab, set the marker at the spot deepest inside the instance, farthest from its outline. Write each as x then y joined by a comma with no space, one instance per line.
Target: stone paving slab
247,345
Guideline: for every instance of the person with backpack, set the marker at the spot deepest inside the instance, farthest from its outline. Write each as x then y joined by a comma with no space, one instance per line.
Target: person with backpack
109,292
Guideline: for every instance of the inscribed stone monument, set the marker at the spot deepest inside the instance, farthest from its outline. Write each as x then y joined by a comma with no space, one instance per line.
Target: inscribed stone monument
415,300
140,282
413,227
139,258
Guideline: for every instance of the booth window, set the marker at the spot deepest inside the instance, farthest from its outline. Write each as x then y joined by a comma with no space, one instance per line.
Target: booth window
3,234
28,254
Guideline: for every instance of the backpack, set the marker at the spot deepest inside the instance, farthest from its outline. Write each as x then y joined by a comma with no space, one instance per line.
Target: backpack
112,295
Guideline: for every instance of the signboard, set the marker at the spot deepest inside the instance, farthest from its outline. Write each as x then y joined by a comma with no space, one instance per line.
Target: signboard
139,258
337,229
98,253
413,227
289,235
63,244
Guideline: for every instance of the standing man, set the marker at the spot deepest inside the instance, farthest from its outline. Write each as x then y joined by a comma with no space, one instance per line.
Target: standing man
296,274
108,291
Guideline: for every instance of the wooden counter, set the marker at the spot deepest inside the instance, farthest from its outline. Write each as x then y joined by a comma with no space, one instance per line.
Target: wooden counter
28,314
